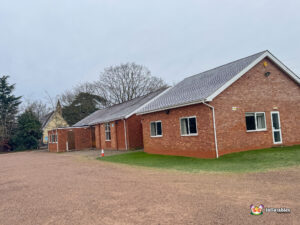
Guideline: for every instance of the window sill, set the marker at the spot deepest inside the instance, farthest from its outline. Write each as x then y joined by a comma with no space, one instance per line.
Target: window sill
188,135
250,131
158,136
107,140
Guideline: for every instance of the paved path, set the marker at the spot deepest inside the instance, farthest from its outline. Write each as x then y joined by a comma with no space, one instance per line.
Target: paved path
50,188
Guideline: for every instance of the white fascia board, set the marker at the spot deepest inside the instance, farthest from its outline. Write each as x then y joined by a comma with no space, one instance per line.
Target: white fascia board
147,103
255,62
173,107
63,128
106,121
284,67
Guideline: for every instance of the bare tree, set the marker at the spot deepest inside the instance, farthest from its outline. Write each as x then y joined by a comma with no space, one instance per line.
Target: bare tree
127,81
38,107
69,96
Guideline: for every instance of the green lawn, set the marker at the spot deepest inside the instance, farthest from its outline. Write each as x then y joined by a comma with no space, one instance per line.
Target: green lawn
250,161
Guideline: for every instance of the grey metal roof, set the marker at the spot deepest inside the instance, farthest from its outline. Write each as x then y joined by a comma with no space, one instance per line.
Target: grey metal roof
118,111
200,86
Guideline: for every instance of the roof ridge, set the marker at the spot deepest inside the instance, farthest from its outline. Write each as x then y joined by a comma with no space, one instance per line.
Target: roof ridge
139,97
259,53
130,104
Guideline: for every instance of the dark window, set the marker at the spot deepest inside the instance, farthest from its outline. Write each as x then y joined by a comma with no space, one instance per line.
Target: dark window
188,126
156,129
255,121
250,121
192,123
107,132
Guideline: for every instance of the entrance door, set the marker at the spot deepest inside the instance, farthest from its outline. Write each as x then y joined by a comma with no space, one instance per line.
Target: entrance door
276,128
93,137
71,140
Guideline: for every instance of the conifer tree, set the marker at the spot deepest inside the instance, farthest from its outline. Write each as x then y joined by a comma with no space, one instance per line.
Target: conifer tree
8,109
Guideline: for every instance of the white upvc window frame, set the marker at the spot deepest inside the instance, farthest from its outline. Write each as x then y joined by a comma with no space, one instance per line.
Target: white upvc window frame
188,135
257,130
53,138
158,121
107,125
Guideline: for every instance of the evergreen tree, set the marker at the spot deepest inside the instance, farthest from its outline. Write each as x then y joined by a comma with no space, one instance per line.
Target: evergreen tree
8,109
28,133
83,105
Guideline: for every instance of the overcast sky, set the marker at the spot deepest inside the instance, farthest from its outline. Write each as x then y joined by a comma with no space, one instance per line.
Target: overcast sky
51,45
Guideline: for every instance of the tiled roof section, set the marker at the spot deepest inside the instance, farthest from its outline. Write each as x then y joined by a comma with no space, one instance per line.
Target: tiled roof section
200,86
46,118
118,111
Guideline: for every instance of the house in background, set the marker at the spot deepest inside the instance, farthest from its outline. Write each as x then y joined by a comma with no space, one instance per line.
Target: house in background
116,127
52,121
250,103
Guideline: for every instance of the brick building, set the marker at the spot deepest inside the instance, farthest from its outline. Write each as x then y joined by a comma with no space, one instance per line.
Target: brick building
69,138
116,127
250,103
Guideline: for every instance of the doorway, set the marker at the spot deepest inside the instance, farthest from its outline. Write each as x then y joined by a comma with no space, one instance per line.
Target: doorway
276,127
93,137
71,140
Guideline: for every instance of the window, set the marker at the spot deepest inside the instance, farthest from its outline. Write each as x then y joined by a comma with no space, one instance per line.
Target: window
255,121
53,138
107,132
188,126
156,129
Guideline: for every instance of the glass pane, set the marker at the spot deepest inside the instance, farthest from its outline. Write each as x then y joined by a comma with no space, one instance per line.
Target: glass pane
153,132
184,126
158,127
260,119
193,128
277,136
275,120
250,121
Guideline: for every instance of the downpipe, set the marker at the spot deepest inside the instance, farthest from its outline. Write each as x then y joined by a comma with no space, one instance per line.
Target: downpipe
215,129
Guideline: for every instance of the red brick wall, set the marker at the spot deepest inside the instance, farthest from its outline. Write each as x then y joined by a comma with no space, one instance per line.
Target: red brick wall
171,142
82,136
52,147
117,142
135,132
62,137
112,144
253,92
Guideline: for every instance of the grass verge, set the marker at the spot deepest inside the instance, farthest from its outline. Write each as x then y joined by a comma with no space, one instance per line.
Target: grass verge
249,161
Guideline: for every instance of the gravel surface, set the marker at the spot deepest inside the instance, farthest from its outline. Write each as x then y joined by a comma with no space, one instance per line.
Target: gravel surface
50,188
